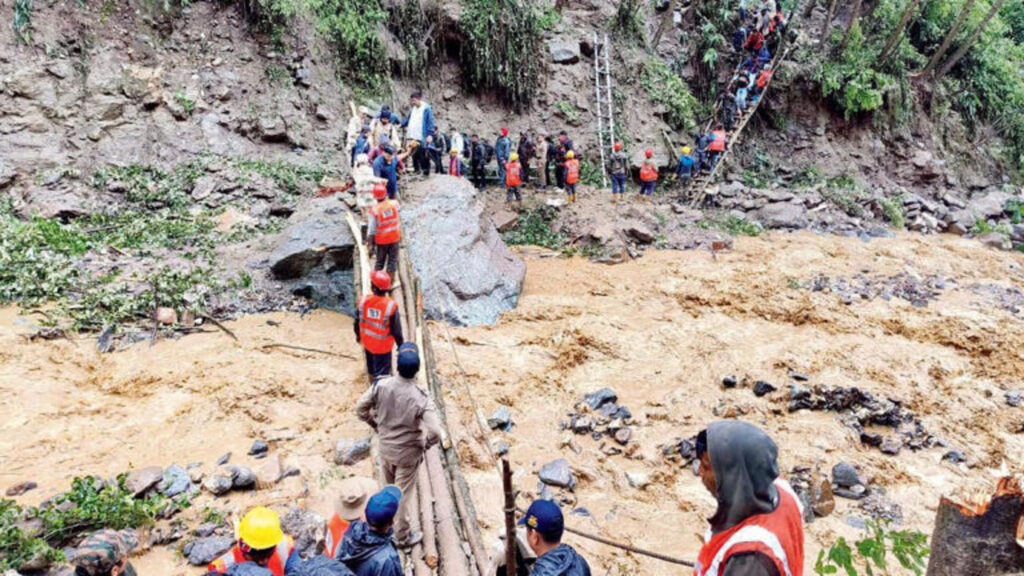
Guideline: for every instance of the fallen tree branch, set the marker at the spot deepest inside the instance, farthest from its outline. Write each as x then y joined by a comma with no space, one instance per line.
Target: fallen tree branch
216,323
305,349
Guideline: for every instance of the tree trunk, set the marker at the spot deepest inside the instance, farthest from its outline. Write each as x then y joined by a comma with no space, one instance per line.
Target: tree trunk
854,16
950,37
826,26
666,23
981,540
897,34
970,41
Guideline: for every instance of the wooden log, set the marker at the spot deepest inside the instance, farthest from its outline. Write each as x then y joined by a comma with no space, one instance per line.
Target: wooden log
980,540
510,517
426,496
449,547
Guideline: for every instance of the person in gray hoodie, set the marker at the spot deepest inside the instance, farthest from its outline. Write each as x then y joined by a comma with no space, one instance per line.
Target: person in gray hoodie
757,527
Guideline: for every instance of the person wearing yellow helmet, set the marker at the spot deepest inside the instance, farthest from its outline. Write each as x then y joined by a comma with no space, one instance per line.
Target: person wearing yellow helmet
684,172
572,175
261,543
456,167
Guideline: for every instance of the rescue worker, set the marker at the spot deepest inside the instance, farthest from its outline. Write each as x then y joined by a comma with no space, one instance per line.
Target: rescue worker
322,566
543,162
763,79
685,170
702,150
378,326
527,151
618,169
727,110
367,549
384,231
261,542
456,167
477,162
717,144
359,121
544,528
457,142
757,527
105,553
755,41
513,180
572,175
739,38
648,176
407,426
437,145
350,505
502,151
562,147
361,144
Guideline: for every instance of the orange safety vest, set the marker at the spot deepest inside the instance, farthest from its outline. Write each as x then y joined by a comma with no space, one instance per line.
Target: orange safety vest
513,175
336,529
717,141
375,324
234,556
453,167
572,171
648,173
389,228
764,78
779,535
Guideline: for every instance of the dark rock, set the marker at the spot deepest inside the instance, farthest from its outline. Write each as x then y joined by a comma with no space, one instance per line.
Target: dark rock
501,419
224,459
640,233
845,475
603,396
242,477
258,447
175,482
729,382
162,536
139,481
853,493
468,274
318,234
1014,398
783,215
581,424
954,457
206,530
558,473
623,435
347,452
799,377
329,288
218,484
761,388
206,550
892,444
307,528
20,488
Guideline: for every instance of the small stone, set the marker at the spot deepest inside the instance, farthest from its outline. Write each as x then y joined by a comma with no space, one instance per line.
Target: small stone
206,530
206,550
856,522
581,424
822,498
175,482
892,445
501,419
603,396
638,480
258,447
623,435
195,475
269,473
242,477
954,457
799,377
845,475
1014,398
729,382
761,388
501,448
20,488
348,451
139,481
557,473
166,316
217,484
224,459
853,493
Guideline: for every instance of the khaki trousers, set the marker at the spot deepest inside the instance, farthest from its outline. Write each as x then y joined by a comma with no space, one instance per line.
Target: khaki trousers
403,475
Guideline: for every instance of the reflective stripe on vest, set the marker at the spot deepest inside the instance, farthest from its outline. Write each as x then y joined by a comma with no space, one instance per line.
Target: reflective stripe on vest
336,529
453,167
513,174
761,533
234,556
388,227
572,171
375,324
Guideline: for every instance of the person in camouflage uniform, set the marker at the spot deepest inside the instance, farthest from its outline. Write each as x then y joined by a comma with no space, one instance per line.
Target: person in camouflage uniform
105,553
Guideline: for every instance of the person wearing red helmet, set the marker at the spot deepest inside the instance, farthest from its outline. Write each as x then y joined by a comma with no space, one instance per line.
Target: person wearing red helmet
618,169
648,176
378,326
384,231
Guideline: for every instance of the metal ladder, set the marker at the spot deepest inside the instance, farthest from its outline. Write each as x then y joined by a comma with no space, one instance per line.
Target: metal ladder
605,104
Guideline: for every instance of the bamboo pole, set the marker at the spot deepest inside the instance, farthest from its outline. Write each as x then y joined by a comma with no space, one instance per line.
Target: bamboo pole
510,518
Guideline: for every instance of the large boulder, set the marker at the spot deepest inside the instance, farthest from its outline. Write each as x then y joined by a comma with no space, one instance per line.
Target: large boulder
564,51
783,215
318,234
468,274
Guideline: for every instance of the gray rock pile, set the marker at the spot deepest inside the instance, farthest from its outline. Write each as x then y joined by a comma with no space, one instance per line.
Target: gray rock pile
919,291
600,416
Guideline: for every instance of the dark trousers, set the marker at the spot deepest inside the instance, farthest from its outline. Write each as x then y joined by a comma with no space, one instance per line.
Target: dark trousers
647,188
526,172
420,160
387,255
479,180
435,156
559,176
513,194
378,365
618,183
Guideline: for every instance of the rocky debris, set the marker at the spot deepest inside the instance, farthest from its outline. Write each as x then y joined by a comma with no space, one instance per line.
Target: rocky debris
863,286
1009,298
852,493
1014,398
879,507
242,477
681,450
782,215
638,480
259,447
175,482
891,445
317,234
206,550
762,388
164,535
307,528
815,492
208,529
597,399
468,274
729,382
218,484
845,475
557,473
20,488
996,240
224,459
348,451
166,316
564,50
269,473
599,415
501,419
141,480
505,220
954,457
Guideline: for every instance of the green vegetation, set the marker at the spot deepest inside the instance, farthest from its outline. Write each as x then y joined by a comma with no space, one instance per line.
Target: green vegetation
760,173
628,25
90,505
23,20
845,192
535,229
549,17
875,552
188,104
731,225
350,29
809,177
665,88
278,75
568,111
892,209
502,49
590,173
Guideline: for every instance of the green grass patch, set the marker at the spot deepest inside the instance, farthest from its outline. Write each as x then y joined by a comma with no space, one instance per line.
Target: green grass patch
731,225
666,89
535,229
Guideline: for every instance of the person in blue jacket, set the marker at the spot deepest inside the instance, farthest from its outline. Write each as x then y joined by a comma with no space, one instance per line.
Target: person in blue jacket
419,124
386,166
544,527
502,152
367,548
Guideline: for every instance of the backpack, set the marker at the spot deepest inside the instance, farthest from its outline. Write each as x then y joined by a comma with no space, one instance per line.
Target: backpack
648,173
488,152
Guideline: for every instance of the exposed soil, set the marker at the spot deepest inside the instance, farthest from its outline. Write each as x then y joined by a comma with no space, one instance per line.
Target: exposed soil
664,330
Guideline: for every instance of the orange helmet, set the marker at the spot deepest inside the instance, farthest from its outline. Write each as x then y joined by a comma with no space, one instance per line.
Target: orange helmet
381,280
380,191
649,153
618,146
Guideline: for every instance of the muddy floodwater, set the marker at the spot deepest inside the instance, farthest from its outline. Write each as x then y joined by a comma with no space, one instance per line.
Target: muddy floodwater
932,322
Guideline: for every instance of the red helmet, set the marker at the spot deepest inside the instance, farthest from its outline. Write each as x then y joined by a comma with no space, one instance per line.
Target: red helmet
504,131
649,153
380,191
618,146
381,280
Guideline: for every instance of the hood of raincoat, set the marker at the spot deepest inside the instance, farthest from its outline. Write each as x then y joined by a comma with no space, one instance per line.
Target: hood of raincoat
745,461
561,561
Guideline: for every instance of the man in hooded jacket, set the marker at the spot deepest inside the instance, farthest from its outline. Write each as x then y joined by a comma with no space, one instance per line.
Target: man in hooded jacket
544,527
367,549
757,528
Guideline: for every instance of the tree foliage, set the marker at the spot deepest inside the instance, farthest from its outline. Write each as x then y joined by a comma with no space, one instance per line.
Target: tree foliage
502,48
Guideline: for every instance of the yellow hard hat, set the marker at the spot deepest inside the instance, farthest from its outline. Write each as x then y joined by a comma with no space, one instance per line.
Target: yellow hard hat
453,151
570,154
513,157
260,529
686,149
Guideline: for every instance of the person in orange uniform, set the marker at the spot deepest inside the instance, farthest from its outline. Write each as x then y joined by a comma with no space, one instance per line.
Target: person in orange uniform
353,492
385,230
513,180
260,542
717,144
757,528
378,326
572,175
648,176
